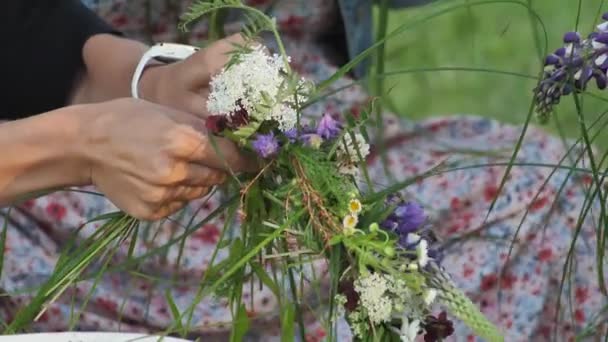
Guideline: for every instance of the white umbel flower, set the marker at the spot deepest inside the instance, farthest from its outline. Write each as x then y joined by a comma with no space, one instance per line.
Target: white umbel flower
347,150
373,297
257,83
409,330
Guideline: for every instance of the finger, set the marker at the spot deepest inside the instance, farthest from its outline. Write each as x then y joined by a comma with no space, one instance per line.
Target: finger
185,118
222,154
197,103
213,58
199,175
192,193
172,208
213,152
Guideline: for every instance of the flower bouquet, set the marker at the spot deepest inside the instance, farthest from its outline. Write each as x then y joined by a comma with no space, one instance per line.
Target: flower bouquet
312,202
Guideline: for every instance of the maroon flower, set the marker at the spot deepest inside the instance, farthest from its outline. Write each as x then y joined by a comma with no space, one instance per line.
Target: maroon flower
438,328
216,123
239,117
352,297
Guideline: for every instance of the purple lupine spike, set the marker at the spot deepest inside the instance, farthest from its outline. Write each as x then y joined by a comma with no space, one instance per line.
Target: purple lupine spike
561,52
605,16
572,37
600,80
601,38
552,60
328,128
583,76
266,145
405,219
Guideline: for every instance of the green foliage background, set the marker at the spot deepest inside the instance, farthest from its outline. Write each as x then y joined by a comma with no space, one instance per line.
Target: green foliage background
493,36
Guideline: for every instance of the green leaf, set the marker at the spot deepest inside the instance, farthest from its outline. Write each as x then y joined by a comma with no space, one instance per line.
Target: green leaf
336,239
240,325
177,318
3,239
288,315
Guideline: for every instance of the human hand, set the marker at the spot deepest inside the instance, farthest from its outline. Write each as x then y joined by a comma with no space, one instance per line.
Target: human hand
185,85
150,160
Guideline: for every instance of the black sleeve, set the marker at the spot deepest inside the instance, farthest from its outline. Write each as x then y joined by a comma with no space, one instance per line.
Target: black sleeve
41,53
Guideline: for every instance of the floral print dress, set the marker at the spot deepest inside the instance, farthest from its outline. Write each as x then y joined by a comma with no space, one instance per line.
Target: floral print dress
520,298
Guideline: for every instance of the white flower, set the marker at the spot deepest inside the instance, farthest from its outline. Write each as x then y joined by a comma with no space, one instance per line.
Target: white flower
374,298
429,296
347,150
348,169
257,82
354,206
286,116
409,330
350,222
412,238
422,252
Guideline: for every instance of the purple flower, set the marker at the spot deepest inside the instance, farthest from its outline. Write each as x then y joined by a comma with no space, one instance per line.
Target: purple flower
571,68
291,134
410,216
266,145
572,37
328,128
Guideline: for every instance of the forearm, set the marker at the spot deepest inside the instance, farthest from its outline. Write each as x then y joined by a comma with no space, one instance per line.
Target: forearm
41,153
109,65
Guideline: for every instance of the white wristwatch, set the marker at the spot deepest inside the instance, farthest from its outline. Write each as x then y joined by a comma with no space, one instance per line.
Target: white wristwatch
163,52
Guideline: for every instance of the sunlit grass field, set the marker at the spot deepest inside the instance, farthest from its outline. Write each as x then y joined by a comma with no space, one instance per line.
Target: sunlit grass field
497,36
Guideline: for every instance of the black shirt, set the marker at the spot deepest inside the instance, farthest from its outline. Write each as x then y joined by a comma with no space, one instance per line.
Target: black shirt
41,53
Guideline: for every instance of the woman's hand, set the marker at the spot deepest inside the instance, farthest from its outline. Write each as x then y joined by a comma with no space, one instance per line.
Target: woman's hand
182,85
151,160
185,85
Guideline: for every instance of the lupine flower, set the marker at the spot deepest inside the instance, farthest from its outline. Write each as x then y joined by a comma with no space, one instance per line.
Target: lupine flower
571,67
407,218
328,128
438,328
266,145
410,216
407,222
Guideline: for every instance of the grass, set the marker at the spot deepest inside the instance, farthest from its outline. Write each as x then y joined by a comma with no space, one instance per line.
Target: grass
493,36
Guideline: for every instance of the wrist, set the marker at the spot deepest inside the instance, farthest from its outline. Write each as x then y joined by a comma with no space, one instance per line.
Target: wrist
149,83
68,149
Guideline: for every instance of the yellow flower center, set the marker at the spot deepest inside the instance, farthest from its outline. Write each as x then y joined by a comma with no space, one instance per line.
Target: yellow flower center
354,206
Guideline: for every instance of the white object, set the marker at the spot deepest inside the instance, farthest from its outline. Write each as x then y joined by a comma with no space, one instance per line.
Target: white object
163,52
87,337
